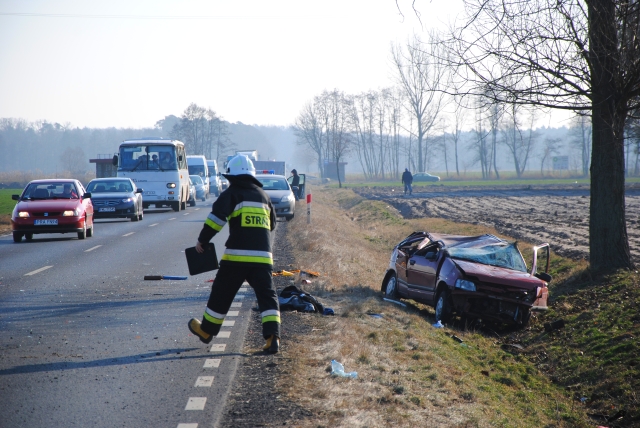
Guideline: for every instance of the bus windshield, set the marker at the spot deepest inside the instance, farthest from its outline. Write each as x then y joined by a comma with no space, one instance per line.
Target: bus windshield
147,157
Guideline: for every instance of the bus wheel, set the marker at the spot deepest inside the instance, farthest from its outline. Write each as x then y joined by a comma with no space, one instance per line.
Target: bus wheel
176,206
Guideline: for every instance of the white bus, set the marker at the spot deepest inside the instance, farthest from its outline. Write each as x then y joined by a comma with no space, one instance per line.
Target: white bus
159,167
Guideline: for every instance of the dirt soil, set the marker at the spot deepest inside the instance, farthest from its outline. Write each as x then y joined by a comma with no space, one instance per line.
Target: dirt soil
253,400
555,214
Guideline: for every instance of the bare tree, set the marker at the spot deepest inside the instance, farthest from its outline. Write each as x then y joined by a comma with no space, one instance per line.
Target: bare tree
339,137
74,160
549,149
310,130
580,55
581,138
519,141
420,75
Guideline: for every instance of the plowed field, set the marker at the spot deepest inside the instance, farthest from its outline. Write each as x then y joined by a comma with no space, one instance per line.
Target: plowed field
558,215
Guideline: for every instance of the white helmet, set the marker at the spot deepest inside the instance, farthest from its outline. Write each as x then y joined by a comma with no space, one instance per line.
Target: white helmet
241,164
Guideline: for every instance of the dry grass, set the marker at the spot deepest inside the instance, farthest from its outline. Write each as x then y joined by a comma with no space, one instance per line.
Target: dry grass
409,373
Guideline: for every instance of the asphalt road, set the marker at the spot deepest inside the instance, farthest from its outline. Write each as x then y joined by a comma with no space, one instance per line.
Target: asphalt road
86,341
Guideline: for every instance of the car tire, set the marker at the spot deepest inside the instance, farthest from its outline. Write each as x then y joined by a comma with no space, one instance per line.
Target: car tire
17,236
83,233
135,217
176,206
90,231
444,306
140,214
28,236
203,199
192,203
289,217
390,288
526,317
183,205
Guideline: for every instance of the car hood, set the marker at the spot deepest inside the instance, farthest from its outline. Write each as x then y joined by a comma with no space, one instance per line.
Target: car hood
48,204
111,195
498,275
277,194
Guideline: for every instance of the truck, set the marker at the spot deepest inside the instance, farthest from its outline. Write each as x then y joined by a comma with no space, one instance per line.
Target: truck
273,166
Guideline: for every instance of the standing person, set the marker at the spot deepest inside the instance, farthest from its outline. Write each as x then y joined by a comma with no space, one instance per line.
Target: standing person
407,179
251,217
295,182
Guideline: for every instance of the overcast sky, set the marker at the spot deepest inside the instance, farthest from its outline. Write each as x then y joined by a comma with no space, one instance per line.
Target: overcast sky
130,63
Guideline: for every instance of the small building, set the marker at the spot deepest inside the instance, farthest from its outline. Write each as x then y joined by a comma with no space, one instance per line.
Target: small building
330,170
104,166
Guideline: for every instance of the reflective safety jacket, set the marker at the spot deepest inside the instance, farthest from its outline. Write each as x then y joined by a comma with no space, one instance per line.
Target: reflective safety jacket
251,217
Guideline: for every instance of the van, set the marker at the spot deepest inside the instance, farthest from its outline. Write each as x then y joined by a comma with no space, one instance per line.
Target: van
215,185
198,166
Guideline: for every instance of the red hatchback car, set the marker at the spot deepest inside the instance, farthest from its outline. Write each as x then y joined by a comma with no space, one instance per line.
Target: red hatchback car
52,206
482,277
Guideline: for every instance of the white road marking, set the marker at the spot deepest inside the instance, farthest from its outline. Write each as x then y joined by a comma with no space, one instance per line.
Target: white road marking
154,224
226,323
187,425
204,381
243,290
33,272
212,363
236,304
218,347
128,234
224,334
196,209
233,313
186,213
196,403
172,218
91,249
239,297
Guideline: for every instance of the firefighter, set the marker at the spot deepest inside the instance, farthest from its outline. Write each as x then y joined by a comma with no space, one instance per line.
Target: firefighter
251,217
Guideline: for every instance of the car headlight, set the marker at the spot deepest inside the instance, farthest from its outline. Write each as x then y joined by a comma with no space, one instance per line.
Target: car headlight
286,198
127,200
171,185
465,285
23,214
70,213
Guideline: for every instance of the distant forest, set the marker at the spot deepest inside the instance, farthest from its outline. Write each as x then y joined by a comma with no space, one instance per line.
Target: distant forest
53,148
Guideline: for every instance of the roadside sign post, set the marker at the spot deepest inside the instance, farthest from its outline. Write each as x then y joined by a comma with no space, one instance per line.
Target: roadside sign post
308,208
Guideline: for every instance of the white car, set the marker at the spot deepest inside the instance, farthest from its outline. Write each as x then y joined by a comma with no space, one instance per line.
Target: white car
280,193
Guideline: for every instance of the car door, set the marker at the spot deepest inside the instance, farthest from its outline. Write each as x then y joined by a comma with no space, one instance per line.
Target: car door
421,274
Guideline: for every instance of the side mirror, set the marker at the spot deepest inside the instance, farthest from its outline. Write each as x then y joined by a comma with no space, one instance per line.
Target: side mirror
139,190
543,276
15,197
87,196
114,161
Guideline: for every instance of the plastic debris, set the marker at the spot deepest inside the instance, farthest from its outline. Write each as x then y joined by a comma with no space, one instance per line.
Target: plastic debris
376,315
305,281
337,369
328,311
293,272
438,324
394,301
161,277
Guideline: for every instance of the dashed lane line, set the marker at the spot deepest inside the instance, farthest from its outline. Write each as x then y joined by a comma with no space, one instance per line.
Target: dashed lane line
233,313
226,323
172,218
196,403
154,224
212,363
93,248
187,425
218,347
128,234
204,382
33,272
236,305
186,213
223,335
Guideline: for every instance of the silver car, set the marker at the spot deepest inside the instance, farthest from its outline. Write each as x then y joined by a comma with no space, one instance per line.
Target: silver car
282,197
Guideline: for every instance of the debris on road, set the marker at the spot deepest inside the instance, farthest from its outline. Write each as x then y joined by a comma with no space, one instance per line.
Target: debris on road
161,277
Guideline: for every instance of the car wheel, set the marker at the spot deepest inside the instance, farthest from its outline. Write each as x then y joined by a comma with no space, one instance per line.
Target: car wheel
17,237
203,199
192,203
176,206
526,317
140,214
135,217
444,307
83,234
28,236
183,205
289,217
90,231
391,287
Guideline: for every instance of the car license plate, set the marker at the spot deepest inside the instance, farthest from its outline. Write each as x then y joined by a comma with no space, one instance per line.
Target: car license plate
47,222
150,192
107,209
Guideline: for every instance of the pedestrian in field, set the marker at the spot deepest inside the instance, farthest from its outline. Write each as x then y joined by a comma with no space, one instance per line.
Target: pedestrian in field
251,217
407,179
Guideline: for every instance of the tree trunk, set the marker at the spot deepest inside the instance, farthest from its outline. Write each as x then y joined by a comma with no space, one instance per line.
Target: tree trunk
608,240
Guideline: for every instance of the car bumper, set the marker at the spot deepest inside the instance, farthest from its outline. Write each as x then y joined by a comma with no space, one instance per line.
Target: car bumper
284,209
118,213
64,226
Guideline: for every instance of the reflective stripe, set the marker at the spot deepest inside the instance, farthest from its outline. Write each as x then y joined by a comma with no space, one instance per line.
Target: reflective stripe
247,259
214,222
271,318
252,253
213,317
247,204
271,312
250,210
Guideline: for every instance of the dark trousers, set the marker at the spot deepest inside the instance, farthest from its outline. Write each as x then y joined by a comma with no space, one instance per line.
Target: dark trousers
227,283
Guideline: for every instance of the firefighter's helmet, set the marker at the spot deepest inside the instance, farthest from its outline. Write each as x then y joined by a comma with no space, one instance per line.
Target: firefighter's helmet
240,164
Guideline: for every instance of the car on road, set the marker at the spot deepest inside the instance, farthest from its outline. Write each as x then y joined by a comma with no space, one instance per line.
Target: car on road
425,176
476,277
116,197
280,193
224,183
52,206
201,189
192,194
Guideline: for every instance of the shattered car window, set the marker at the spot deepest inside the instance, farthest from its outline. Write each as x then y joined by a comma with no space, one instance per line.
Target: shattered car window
496,254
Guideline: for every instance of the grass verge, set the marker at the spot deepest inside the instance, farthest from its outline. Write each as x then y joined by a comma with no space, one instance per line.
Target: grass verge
411,373
6,207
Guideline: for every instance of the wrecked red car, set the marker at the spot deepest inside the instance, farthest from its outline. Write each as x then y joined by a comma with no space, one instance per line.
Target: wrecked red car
478,277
